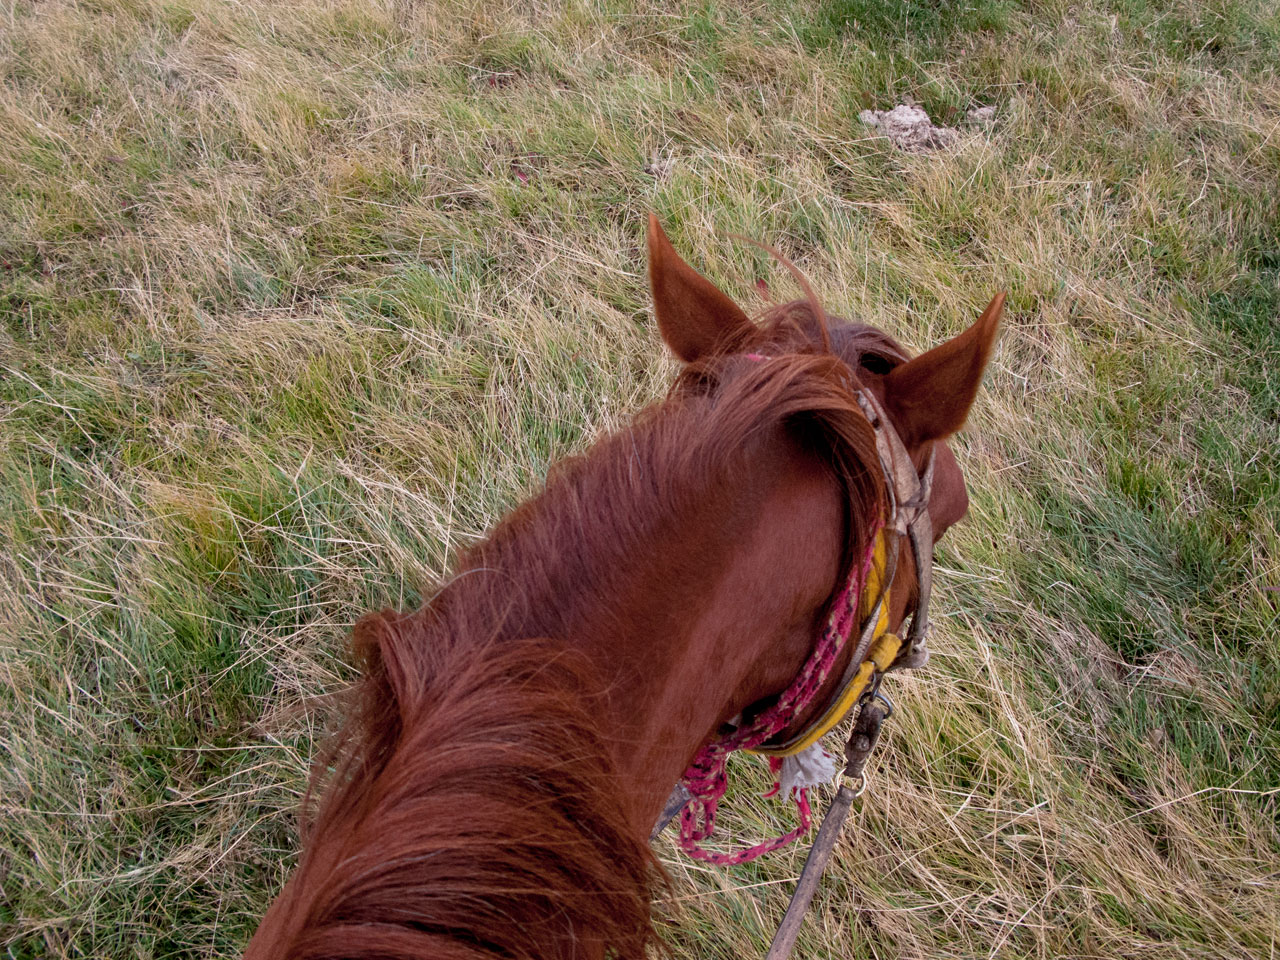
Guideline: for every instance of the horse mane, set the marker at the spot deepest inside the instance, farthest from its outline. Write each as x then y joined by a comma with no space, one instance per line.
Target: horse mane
468,808
471,819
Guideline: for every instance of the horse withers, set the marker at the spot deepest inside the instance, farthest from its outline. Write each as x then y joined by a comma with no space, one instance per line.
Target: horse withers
511,744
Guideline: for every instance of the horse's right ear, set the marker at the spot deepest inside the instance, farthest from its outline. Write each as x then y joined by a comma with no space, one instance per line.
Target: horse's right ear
695,318
929,396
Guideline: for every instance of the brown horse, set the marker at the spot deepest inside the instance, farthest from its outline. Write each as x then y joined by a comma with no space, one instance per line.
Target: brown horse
513,741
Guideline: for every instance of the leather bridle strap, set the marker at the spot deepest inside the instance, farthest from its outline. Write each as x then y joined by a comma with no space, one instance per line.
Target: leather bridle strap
908,493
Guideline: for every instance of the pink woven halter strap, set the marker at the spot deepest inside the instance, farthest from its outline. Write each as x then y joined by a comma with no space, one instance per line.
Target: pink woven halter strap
706,779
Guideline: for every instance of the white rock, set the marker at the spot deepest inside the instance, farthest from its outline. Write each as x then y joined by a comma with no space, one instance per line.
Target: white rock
909,128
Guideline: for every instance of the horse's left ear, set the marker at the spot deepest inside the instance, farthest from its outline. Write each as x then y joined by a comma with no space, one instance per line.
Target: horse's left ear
695,317
929,397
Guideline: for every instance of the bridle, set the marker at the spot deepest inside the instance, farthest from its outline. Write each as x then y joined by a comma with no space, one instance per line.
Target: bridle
876,653
908,494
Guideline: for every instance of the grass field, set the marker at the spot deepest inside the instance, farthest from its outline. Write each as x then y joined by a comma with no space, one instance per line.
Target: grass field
298,297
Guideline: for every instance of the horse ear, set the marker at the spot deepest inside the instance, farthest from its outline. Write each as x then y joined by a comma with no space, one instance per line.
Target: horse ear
929,397
695,318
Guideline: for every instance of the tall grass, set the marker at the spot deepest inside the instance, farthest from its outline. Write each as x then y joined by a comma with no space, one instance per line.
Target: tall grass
299,297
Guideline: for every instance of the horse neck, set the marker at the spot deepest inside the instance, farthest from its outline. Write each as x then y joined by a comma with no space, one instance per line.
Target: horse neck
691,618
501,789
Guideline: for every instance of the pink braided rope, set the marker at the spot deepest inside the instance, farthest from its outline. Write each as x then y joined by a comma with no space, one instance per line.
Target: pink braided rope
707,777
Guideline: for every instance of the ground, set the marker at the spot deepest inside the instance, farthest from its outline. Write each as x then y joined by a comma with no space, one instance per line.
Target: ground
298,297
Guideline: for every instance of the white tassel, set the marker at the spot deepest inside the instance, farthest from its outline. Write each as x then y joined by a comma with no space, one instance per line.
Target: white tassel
808,768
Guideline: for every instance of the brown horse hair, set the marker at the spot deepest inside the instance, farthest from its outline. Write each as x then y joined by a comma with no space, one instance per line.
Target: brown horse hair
469,807
472,817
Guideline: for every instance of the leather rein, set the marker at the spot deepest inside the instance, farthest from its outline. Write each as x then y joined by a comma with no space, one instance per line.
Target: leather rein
876,653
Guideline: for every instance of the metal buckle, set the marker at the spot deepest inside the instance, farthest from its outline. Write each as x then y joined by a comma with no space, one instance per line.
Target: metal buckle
883,698
861,788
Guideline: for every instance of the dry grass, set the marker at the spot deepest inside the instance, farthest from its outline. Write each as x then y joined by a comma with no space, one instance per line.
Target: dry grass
299,297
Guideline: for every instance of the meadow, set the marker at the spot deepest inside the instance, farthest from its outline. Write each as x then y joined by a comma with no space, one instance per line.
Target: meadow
299,296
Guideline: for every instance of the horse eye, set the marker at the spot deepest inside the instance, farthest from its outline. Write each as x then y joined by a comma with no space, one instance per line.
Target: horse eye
874,363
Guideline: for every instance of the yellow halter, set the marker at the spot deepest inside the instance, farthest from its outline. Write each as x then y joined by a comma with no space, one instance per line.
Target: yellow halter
883,651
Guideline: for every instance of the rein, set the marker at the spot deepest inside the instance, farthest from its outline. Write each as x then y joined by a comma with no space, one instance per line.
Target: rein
864,600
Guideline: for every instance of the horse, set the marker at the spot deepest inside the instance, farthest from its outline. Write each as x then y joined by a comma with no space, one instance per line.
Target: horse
511,743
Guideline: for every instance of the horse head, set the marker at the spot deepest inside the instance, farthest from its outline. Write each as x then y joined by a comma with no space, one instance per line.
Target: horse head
927,398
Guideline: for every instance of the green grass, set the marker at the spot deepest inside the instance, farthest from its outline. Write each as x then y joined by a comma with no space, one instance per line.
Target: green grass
298,298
